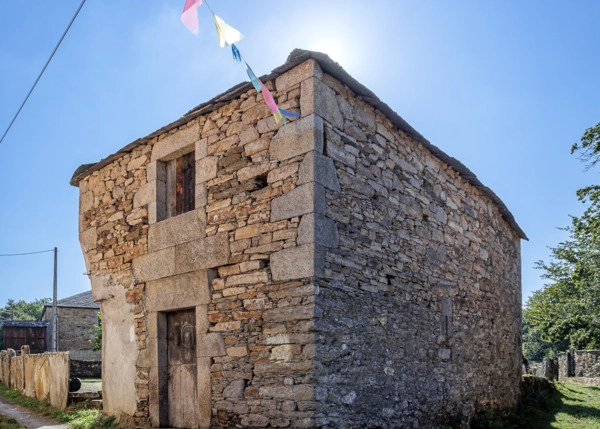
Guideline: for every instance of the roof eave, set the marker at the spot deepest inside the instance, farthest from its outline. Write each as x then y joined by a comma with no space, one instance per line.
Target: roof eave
296,57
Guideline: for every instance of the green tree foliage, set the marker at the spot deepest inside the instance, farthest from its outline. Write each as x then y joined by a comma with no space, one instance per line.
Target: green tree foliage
589,147
535,349
97,333
568,307
21,310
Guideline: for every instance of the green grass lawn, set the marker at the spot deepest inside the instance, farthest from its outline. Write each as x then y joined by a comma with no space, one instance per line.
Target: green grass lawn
574,406
570,406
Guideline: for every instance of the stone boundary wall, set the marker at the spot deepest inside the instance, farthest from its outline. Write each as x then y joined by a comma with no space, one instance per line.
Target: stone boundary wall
86,355
86,368
574,363
42,376
562,361
548,368
587,363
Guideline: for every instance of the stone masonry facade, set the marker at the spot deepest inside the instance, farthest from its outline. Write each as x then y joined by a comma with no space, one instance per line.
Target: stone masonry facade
339,272
74,328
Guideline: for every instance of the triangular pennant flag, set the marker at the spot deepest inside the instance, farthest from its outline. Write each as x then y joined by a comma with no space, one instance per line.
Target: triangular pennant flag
189,17
227,34
236,53
253,78
270,102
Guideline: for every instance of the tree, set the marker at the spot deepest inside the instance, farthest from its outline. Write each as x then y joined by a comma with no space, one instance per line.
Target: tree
535,349
589,147
568,307
21,310
97,333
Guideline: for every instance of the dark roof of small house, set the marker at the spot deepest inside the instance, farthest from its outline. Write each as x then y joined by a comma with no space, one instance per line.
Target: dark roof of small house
81,300
297,57
23,323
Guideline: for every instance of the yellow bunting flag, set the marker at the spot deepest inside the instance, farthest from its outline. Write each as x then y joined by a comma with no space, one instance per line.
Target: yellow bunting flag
227,34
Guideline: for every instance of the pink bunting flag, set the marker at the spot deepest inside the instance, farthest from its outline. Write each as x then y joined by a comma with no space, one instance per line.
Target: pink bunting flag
270,101
189,17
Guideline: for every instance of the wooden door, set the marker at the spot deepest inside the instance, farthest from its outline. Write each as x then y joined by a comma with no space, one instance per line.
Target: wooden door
183,375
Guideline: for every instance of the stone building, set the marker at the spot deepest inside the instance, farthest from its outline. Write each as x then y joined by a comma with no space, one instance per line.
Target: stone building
335,271
77,315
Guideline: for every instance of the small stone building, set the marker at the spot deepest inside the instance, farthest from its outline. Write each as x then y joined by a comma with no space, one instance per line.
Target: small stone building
337,270
77,316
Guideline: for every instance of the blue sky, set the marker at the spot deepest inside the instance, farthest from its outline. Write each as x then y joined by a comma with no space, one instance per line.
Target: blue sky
504,86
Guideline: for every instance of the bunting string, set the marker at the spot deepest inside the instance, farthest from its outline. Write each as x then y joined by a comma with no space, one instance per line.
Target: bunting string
229,36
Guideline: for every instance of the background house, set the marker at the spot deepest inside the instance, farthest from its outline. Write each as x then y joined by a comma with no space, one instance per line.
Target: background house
77,315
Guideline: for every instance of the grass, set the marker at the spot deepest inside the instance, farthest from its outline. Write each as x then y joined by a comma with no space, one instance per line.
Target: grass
8,423
80,417
547,406
567,406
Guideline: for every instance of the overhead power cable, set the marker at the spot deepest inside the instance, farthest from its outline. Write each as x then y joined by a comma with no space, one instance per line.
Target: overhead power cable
42,72
28,253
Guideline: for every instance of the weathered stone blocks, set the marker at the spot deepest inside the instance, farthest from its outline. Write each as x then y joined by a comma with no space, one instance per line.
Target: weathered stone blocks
209,252
155,265
319,168
304,199
185,290
177,230
297,262
316,228
297,138
176,143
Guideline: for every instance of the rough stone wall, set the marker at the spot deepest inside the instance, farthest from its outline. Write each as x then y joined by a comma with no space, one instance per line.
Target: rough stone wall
388,297
420,305
74,328
112,234
85,368
229,259
578,363
563,364
587,363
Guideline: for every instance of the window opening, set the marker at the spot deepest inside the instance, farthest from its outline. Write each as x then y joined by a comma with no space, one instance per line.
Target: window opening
180,185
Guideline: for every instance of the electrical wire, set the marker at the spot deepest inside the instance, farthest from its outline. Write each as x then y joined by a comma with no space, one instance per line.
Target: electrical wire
42,72
28,253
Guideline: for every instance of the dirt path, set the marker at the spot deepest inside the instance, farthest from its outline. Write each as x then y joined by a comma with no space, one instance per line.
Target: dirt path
26,417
